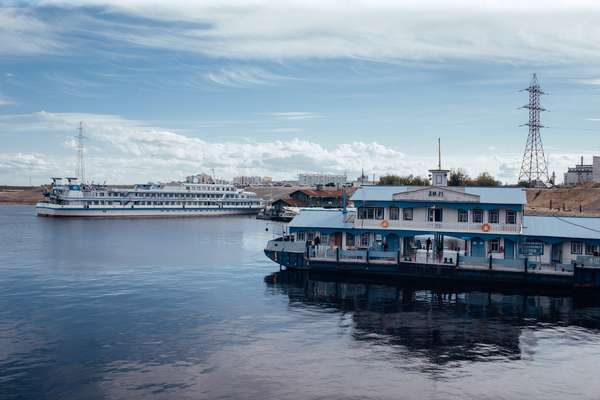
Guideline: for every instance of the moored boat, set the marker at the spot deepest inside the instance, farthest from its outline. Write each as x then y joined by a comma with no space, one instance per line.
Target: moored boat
67,197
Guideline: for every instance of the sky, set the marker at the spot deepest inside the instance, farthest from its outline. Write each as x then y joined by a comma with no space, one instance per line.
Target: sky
277,88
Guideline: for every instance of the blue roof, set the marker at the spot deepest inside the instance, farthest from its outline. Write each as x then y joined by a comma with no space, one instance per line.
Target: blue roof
378,193
585,228
487,195
323,218
562,227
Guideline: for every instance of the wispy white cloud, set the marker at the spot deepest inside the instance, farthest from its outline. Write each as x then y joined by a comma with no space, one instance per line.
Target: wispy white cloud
25,34
241,77
75,86
428,30
281,130
125,151
590,81
293,115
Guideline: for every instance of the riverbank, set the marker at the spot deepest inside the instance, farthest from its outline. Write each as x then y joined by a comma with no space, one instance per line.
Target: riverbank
21,194
572,201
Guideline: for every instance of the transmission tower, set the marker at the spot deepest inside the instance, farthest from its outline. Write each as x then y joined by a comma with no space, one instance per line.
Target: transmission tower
80,151
534,168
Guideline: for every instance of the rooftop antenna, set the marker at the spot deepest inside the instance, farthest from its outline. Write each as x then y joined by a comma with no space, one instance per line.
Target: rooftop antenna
534,167
439,154
80,150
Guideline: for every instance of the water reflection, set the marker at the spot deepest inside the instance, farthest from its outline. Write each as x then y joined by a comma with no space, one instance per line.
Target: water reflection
444,324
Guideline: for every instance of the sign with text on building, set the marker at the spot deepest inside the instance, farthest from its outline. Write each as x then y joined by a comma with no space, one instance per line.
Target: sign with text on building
441,194
531,248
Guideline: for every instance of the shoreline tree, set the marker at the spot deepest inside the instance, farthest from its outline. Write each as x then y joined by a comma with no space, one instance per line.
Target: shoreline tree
408,180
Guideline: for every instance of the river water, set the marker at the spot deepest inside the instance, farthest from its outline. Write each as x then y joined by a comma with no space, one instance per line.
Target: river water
180,309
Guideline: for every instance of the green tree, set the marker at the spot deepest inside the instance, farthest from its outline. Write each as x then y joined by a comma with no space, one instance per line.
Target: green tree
486,179
408,180
459,177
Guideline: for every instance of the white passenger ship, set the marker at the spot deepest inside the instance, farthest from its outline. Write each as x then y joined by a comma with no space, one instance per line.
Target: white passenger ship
67,197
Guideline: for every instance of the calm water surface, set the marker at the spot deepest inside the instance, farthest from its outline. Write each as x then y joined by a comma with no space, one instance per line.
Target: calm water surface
179,309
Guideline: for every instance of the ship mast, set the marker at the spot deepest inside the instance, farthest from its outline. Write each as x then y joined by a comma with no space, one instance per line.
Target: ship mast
80,153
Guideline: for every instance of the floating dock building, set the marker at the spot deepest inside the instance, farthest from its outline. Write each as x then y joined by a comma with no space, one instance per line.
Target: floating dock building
441,232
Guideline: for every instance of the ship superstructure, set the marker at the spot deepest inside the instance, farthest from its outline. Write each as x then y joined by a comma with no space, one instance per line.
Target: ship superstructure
70,197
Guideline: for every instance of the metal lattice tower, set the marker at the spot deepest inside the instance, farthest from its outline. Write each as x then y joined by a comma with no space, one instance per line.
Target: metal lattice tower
534,168
80,153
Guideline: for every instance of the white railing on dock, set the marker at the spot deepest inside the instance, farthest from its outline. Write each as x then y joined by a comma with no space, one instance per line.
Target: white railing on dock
448,258
439,226
286,245
589,261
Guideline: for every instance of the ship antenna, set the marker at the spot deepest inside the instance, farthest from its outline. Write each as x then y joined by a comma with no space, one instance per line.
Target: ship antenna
80,153
439,154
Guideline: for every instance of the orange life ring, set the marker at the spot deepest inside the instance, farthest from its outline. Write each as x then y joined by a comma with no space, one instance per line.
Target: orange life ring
385,223
486,227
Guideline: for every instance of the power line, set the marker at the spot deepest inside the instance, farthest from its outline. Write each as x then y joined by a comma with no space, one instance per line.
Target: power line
578,225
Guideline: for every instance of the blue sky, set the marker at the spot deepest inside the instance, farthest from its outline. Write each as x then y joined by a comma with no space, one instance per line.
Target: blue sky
166,89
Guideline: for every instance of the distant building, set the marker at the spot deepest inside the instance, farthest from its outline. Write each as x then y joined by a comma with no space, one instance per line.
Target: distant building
243,181
199,178
247,180
583,173
320,198
321,179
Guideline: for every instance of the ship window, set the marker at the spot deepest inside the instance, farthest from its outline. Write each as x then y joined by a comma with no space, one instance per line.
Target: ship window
364,239
300,236
511,217
493,216
362,213
463,215
478,216
494,245
407,214
394,213
370,213
434,214
349,239
576,247
591,249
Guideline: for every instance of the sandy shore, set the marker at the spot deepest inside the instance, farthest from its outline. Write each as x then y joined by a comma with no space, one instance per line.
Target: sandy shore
21,194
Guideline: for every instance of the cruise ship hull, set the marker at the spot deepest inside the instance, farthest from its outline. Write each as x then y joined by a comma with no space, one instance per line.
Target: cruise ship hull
53,210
